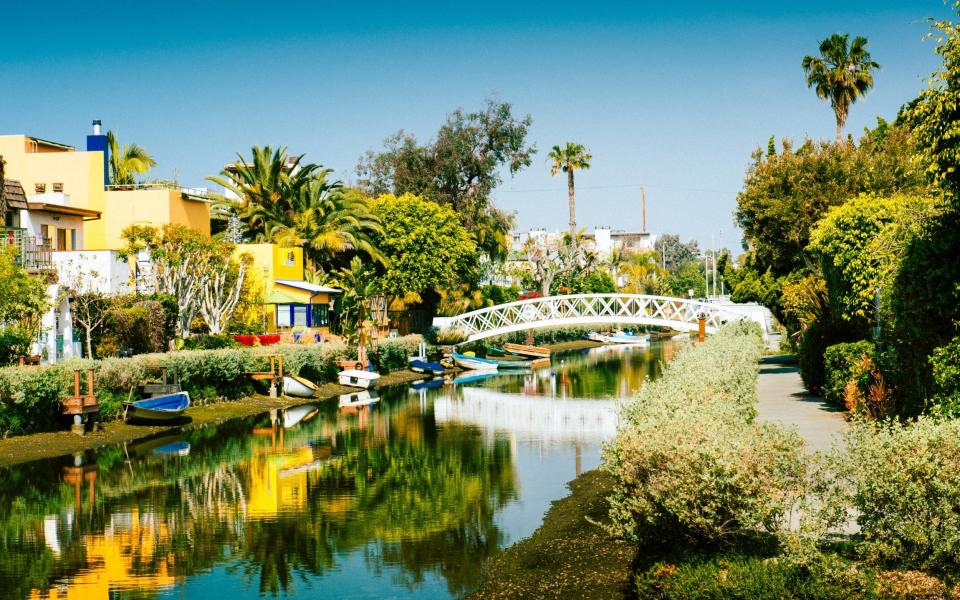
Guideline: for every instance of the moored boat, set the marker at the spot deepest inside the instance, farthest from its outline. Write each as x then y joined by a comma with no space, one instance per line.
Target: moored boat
474,363
620,338
298,387
421,366
524,350
159,408
358,379
514,364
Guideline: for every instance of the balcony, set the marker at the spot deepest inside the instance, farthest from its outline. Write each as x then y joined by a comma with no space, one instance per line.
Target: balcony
27,252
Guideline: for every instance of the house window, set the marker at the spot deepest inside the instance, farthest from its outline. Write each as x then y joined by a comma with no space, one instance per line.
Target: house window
283,315
73,239
40,188
319,317
291,258
58,187
300,315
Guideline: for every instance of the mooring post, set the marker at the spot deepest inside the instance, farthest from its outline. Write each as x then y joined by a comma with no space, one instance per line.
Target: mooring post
702,328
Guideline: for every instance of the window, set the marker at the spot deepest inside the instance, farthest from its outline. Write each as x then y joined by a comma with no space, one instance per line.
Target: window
283,315
300,315
40,188
58,187
73,239
318,314
62,239
45,233
291,258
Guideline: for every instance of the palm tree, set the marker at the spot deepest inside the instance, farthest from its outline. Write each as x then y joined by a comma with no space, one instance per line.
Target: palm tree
841,74
266,187
127,161
568,159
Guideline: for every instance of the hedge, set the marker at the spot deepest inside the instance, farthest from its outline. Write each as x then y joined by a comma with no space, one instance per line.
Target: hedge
30,397
688,460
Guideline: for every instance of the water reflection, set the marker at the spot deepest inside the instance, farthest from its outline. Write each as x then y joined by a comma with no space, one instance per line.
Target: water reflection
405,495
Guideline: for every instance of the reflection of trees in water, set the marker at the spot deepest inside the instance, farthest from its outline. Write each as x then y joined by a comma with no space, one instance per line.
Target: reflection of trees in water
425,497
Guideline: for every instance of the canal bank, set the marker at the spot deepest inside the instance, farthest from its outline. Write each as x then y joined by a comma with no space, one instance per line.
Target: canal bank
37,446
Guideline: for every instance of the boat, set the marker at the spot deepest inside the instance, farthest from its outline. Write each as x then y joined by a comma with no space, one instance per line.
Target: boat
298,387
523,350
474,363
358,379
418,365
159,408
298,414
620,337
358,399
514,364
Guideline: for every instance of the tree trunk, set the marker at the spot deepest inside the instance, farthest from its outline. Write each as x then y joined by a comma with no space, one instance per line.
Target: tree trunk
573,215
89,334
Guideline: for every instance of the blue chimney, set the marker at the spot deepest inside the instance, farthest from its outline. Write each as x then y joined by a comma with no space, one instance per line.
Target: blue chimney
98,142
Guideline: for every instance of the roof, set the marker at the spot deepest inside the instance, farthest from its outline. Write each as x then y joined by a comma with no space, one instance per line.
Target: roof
14,195
60,209
44,142
308,287
279,297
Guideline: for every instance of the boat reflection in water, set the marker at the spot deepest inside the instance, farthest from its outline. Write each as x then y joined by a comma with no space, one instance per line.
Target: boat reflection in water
402,497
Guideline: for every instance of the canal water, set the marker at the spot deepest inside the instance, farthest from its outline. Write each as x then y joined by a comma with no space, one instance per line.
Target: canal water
405,497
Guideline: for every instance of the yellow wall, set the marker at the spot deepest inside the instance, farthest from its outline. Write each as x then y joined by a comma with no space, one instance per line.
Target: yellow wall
272,260
144,207
81,174
288,263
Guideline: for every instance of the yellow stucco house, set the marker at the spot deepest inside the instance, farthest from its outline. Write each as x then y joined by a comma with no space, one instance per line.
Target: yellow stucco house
290,302
64,176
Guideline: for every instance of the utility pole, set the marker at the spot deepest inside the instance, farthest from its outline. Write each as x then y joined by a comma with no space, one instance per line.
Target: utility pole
706,274
713,243
643,202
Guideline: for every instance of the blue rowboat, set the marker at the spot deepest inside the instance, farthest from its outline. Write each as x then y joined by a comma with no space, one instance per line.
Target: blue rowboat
421,366
474,363
158,408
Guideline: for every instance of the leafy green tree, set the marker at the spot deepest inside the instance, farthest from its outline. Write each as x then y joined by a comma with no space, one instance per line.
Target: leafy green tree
460,167
841,74
23,297
674,254
126,162
689,277
568,159
424,244
359,287
642,274
785,194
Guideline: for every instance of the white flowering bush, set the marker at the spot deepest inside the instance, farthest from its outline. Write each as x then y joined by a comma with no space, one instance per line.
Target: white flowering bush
688,460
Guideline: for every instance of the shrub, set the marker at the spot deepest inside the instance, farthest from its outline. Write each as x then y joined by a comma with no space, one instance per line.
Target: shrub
448,337
814,342
688,460
13,344
208,341
902,480
841,362
945,365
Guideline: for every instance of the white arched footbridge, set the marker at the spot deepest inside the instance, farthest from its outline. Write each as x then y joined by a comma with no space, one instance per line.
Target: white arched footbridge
594,309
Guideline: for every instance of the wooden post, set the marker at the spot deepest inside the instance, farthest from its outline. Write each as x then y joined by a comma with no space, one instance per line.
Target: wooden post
701,328
76,383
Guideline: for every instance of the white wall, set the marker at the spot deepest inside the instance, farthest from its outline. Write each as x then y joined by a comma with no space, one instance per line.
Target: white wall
96,270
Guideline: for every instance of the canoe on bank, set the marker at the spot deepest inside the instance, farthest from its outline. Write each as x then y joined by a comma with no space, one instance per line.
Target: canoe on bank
474,363
298,387
358,379
159,408
421,366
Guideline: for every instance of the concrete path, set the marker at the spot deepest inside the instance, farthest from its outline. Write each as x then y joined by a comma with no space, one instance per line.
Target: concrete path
783,399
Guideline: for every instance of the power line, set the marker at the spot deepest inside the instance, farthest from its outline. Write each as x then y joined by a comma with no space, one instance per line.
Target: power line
615,187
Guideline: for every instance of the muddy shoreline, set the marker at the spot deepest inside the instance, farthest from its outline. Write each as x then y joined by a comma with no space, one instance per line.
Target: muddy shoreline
37,446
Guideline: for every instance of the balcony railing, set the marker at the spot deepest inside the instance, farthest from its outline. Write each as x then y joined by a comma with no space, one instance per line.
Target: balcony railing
27,252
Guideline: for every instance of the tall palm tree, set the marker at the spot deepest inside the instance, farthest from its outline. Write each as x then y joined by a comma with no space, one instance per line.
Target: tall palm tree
841,74
126,162
568,159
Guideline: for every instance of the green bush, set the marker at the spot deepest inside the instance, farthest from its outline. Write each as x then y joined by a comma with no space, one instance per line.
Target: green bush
30,398
688,460
902,481
207,341
389,356
13,344
945,366
814,342
841,362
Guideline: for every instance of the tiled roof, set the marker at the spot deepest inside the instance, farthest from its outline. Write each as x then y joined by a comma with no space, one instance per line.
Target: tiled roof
13,195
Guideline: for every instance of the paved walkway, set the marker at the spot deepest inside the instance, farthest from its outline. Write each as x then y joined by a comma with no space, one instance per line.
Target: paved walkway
783,399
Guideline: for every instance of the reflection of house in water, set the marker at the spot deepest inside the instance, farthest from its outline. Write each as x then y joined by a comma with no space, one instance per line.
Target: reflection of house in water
543,418
278,481
114,560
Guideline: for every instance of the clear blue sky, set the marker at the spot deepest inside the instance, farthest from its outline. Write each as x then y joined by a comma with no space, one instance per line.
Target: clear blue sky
674,97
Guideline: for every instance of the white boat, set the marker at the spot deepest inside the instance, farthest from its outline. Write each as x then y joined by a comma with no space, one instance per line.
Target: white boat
298,386
620,338
298,414
358,379
474,363
358,399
